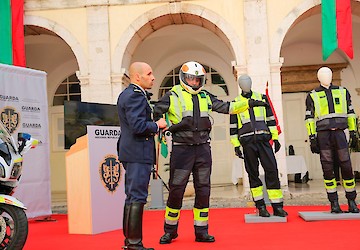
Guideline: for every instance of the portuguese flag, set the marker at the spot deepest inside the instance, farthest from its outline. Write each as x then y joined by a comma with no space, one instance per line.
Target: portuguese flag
12,48
336,27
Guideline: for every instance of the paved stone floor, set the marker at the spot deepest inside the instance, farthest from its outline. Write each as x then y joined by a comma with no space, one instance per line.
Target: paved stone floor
229,195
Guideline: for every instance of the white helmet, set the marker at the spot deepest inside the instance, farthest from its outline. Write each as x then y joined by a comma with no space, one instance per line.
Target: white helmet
191,70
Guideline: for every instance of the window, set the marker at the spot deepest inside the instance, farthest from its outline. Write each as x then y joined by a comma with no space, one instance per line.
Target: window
68,90
215,84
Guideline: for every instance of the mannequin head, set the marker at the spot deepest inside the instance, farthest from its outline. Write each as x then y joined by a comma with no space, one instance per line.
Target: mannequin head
244,82
324,75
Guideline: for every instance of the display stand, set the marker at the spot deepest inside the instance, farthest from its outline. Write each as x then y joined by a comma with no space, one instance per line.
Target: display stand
95,183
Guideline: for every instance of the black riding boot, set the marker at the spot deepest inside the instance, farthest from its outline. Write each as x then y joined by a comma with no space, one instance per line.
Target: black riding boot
170,233
353,207
126,222
261,207
335,207
134,229
279,209
201,234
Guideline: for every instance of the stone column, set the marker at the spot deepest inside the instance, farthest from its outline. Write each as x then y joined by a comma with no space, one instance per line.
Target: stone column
98,88
259,68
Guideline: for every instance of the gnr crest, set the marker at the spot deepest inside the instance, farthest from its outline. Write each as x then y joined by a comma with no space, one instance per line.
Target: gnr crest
110,172
10,118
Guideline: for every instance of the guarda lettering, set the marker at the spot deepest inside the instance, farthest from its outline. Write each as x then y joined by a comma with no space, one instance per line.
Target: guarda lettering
107,132
31,125
30,109
8,98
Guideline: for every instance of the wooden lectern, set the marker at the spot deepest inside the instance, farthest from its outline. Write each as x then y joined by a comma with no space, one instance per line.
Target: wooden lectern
95,183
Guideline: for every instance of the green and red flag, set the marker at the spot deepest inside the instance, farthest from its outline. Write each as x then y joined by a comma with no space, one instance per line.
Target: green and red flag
336,27
12,48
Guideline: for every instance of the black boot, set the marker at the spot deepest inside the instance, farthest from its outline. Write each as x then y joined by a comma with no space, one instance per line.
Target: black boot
279,209
335,207
134,229
353,207
125,222
170,233
201,234
262,211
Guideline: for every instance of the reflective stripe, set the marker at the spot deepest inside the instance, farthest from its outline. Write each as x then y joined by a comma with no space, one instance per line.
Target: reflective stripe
201,216
204,114
332,115
275,195
257,193
187,114
307,112
270,118
258,132
349,185
330,186
233,126
176,107
172,216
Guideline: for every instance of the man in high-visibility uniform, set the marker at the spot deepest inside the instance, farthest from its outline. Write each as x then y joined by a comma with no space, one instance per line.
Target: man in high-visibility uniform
253,129
188,107
328,113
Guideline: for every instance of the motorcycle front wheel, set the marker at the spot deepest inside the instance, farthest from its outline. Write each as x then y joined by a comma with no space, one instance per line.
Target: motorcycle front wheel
13,227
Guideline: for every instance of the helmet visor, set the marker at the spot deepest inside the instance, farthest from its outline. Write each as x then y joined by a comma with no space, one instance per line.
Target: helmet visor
194,81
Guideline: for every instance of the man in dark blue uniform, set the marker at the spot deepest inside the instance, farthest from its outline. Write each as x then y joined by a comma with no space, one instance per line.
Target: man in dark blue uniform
136,149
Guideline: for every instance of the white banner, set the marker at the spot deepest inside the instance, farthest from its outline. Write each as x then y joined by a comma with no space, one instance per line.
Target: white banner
24,108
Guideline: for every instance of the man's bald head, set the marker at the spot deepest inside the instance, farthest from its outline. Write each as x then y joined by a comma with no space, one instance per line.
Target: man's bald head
141,74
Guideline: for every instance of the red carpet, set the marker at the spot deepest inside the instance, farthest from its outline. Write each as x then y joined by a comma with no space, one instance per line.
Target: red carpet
226,224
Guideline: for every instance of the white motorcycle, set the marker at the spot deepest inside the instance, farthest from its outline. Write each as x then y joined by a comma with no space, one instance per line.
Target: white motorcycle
13,220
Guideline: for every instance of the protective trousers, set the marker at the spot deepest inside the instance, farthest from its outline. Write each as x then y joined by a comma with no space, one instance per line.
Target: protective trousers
333,145
184,160
261,150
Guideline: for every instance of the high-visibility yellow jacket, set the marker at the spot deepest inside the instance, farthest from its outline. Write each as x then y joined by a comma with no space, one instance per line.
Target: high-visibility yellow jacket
328,109
190,114
257,121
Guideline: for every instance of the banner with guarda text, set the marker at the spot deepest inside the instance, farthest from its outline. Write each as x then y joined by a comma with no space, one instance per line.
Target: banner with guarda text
24,109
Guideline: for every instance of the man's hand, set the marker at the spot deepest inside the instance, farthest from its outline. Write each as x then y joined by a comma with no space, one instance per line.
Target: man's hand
353,140
314,145
161,123
256,103
238,152
277,145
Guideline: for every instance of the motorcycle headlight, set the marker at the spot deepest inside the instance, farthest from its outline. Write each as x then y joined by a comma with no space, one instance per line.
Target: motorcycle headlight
2,171
16,171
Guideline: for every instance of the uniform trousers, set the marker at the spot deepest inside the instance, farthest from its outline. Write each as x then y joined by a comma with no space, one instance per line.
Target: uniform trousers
184,160
137,177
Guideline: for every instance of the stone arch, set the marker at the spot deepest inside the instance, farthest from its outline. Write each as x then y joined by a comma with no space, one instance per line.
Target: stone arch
174,13
65,35
285,25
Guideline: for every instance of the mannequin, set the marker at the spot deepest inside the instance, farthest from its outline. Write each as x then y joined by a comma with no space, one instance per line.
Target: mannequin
245,83
328,113
324,75
252,130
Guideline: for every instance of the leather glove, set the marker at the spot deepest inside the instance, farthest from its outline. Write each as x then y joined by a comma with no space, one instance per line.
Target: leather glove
256,103
238,152
277,145
314,146
353,140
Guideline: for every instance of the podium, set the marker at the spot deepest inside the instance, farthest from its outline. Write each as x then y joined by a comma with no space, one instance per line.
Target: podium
95,182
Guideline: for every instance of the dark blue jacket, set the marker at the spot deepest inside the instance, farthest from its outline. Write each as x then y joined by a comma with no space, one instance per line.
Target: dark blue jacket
136,142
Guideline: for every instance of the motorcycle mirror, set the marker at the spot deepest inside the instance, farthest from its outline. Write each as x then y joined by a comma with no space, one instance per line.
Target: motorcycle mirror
24,136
